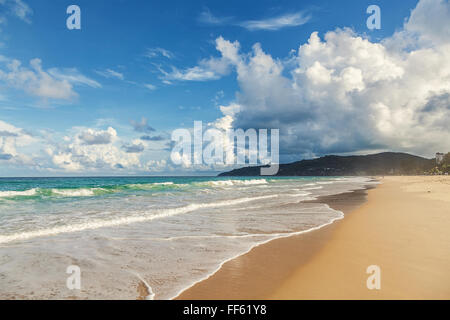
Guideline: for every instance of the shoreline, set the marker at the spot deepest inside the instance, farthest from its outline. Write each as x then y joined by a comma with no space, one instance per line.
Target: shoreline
344,202
402,227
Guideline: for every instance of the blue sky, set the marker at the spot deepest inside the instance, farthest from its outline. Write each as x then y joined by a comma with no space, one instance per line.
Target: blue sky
156,63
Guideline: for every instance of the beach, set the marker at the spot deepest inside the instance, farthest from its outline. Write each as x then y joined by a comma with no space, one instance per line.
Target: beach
402,228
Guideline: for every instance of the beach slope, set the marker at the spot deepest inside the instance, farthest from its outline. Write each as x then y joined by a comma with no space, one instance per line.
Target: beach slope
403,229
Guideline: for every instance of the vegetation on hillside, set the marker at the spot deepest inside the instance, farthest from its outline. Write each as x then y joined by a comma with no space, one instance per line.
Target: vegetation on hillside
443,167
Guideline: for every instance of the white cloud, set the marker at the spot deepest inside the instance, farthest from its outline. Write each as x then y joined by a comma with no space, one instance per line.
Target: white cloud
208,69
94,137
135,147
276,23
51,84
286,20
344,93
207,17
150,86
157,52
93,150
142,126
157,165
430,21
109,73
12,140
17,8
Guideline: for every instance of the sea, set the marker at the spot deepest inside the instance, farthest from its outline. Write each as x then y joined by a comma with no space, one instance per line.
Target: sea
166,233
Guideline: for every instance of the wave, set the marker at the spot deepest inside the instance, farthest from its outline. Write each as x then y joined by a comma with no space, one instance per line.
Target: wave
11,194
89,191
96,224
300,194
222,183
74,192
340,215
313,188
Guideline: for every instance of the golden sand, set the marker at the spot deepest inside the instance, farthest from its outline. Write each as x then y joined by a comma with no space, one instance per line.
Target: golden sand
404,228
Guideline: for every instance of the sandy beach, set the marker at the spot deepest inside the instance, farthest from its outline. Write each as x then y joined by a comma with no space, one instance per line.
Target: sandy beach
403,228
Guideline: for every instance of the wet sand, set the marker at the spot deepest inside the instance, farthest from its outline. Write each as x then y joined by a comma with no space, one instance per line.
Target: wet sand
403,228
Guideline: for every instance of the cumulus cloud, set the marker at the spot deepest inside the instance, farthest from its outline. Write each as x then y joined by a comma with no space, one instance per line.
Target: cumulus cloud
83,150
53,83
94,137
12,140
208,69
133,148
142,126
92,150
344,93
5,156
153,138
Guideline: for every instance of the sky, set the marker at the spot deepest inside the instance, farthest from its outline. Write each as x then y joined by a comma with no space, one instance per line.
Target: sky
105,99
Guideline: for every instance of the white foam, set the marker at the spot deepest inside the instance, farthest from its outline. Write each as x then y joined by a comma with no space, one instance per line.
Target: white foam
221,183
313,188
300,194
151,294
96,224
7,194
74,192
273,237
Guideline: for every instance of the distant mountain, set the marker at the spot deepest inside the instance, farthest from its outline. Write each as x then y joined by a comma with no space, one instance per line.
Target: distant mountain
385,163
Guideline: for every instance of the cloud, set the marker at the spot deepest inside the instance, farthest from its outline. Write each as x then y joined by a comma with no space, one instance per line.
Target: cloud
207,17
277,23
93,137
133,148
429,29
109,73
83,150
344,93
5,133
158,52
5,156
13,142
142,126
17,8
150,86
157,165
51,84
294,19
212,68
153,138
92,150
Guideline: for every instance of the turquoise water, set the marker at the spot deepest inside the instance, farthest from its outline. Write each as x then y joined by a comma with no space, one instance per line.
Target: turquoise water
48,189
168,231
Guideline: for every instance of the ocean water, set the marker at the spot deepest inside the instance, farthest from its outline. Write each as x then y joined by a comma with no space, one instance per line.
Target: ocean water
169,232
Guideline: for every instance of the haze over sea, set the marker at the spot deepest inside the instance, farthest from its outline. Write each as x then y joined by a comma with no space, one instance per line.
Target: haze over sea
170,232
